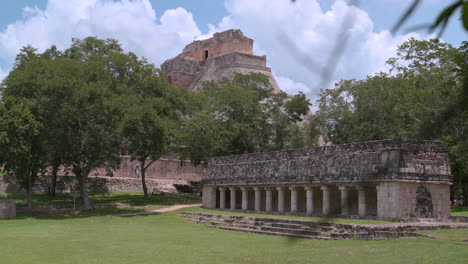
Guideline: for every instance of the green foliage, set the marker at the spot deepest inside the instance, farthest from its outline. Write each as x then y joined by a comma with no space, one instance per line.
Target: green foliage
242,116
442,19
464,16
21,142
78,96
297,107
423,96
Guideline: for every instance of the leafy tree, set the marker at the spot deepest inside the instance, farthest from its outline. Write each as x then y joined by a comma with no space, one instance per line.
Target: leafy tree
150,121
297,107
72,94
21,142
243,115
423,96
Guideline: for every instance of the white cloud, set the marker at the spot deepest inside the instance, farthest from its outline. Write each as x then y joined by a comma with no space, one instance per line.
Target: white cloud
133,23
3,74
315,33
136,25
290,86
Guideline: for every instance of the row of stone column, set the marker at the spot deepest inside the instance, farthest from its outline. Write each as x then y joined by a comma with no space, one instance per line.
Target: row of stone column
294,203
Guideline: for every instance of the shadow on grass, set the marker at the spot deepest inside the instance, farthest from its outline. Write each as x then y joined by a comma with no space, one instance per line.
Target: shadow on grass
74,214
107,204
64,200
459,209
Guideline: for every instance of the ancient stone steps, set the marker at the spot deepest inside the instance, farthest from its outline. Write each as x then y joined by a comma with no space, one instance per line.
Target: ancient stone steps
273,233
316,230
294,231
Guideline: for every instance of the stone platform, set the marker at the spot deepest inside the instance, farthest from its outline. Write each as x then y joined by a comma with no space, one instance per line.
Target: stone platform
7,209
317,230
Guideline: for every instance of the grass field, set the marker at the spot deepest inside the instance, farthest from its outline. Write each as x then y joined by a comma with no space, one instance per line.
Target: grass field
101,236
107,203
459,211
168,238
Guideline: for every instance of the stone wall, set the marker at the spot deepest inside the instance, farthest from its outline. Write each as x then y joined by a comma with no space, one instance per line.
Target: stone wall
96,183
226,66
220,44
170,169
413,200
229,52
371,161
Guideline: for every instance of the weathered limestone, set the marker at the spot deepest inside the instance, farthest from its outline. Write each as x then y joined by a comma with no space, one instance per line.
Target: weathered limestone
280,199
245,198
392,179
310,201
293,199
233,197
362,201
269,199
222,197
214,59
344,200
209,197
7,209
258,198
326,200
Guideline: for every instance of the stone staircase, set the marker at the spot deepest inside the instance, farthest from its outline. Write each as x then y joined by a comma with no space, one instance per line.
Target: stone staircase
312,229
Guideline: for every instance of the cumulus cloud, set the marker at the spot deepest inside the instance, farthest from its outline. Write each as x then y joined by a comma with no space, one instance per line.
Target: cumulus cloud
314,32
290,86
133,22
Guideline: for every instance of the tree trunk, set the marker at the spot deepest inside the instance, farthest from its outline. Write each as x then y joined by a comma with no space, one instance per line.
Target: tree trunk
53,184
84,191
143,180
465,198
30,192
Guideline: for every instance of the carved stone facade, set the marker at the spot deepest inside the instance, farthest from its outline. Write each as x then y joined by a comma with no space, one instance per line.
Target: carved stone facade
398,178
215,58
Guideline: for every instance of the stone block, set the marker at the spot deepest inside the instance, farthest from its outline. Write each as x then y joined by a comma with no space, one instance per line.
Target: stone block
7,209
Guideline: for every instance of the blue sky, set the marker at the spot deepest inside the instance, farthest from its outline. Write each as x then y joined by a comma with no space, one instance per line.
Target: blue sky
159,29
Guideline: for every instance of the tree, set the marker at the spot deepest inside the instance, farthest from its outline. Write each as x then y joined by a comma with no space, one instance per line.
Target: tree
423,96
72,94
148,128
21,142
243,115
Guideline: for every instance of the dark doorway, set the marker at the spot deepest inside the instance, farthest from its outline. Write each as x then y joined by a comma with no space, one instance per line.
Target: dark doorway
205,54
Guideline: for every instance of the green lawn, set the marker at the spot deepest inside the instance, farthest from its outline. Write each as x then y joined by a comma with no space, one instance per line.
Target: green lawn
114,202
459,211
168,238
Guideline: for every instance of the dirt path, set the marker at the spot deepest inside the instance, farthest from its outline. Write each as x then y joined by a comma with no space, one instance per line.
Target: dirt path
164,209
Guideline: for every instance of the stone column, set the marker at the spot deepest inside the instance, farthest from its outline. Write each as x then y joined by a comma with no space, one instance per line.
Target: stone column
326,200
280,199
362,201
245,198
233,197
269,199
222,197
309,200
293,199
344,200
258,198
209,197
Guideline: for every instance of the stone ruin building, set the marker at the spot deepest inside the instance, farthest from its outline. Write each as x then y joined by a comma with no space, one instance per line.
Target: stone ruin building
215,58
384,179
